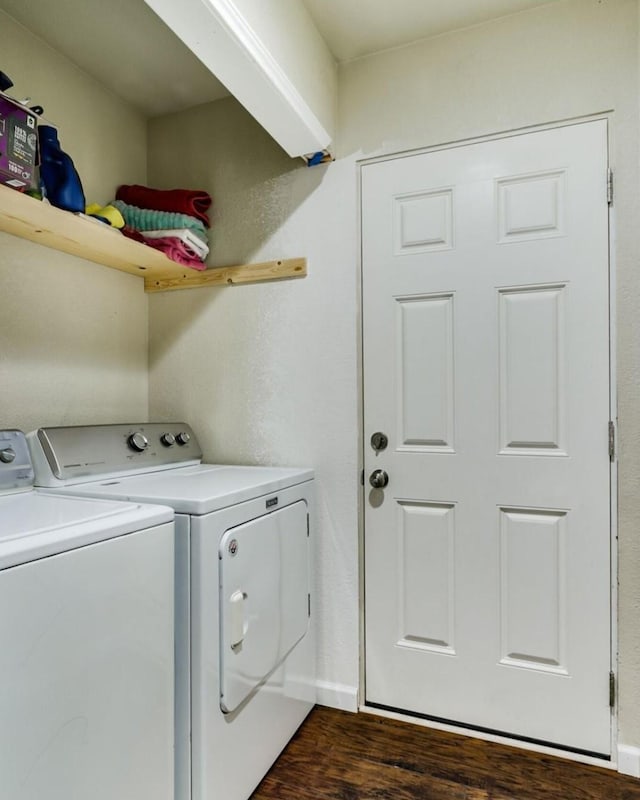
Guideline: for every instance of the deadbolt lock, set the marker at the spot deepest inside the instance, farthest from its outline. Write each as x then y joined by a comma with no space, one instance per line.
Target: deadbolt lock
379,441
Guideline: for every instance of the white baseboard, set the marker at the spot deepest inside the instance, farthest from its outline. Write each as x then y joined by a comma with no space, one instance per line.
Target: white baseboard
337,695
629,760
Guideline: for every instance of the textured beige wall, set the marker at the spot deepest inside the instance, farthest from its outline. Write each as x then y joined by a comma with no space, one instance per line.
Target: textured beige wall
73,335
270,373
266,373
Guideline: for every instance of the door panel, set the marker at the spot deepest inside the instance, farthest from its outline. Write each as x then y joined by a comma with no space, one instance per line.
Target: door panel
486,362
426,533
425,407
532,370
264,599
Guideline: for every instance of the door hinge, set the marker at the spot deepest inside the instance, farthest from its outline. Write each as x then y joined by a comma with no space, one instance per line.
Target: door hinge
308,527
610,186
309,605
362,478
612,690
612,440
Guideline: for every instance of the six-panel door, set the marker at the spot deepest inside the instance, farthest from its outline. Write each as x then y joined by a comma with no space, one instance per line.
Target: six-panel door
486,361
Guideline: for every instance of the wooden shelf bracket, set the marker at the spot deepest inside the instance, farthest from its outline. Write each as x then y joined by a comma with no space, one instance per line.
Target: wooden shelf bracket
230,276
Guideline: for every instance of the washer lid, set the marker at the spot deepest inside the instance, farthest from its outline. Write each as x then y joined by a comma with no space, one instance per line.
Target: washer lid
36,524
198,489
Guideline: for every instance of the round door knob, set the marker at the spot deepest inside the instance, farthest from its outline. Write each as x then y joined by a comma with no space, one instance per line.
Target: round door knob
168,439
378,479
183,438
138,442
7,456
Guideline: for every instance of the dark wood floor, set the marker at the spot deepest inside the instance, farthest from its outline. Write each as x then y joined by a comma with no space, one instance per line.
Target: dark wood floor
341,756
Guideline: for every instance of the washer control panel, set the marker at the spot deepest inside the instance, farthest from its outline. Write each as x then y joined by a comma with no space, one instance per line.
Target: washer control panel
95,450
139,442
16,471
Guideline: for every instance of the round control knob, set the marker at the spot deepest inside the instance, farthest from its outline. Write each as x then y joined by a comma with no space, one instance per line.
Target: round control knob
7,455
168,439
183,438
138,442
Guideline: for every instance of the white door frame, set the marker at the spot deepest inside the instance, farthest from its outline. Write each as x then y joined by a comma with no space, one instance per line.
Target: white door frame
613,533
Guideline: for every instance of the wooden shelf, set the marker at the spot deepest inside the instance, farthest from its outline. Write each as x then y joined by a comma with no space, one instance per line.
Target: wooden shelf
44,224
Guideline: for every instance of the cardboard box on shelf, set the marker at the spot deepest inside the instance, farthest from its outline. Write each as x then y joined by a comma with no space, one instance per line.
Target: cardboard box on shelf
18,144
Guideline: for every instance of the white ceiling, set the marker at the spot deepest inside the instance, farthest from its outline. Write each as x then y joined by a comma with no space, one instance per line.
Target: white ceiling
125,47
354,28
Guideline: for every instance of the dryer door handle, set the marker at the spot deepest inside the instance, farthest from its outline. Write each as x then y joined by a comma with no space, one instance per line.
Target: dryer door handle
237,623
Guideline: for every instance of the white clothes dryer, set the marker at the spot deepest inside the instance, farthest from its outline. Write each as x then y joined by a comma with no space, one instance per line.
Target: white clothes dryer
245,645
86,626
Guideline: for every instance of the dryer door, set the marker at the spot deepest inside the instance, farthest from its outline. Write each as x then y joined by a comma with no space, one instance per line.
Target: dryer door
264,599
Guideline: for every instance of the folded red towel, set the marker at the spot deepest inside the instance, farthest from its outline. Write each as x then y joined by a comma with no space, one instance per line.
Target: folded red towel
177,251
185,201
132,233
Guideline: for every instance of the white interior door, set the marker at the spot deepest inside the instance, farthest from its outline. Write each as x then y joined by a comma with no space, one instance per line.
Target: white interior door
486,363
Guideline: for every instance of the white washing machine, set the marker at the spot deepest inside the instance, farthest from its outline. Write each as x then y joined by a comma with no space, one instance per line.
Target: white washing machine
87,639
245,648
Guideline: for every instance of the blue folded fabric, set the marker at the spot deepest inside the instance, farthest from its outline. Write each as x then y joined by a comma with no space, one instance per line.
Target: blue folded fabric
146,219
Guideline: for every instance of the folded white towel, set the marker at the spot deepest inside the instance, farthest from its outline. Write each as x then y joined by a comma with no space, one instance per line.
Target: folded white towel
185,235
